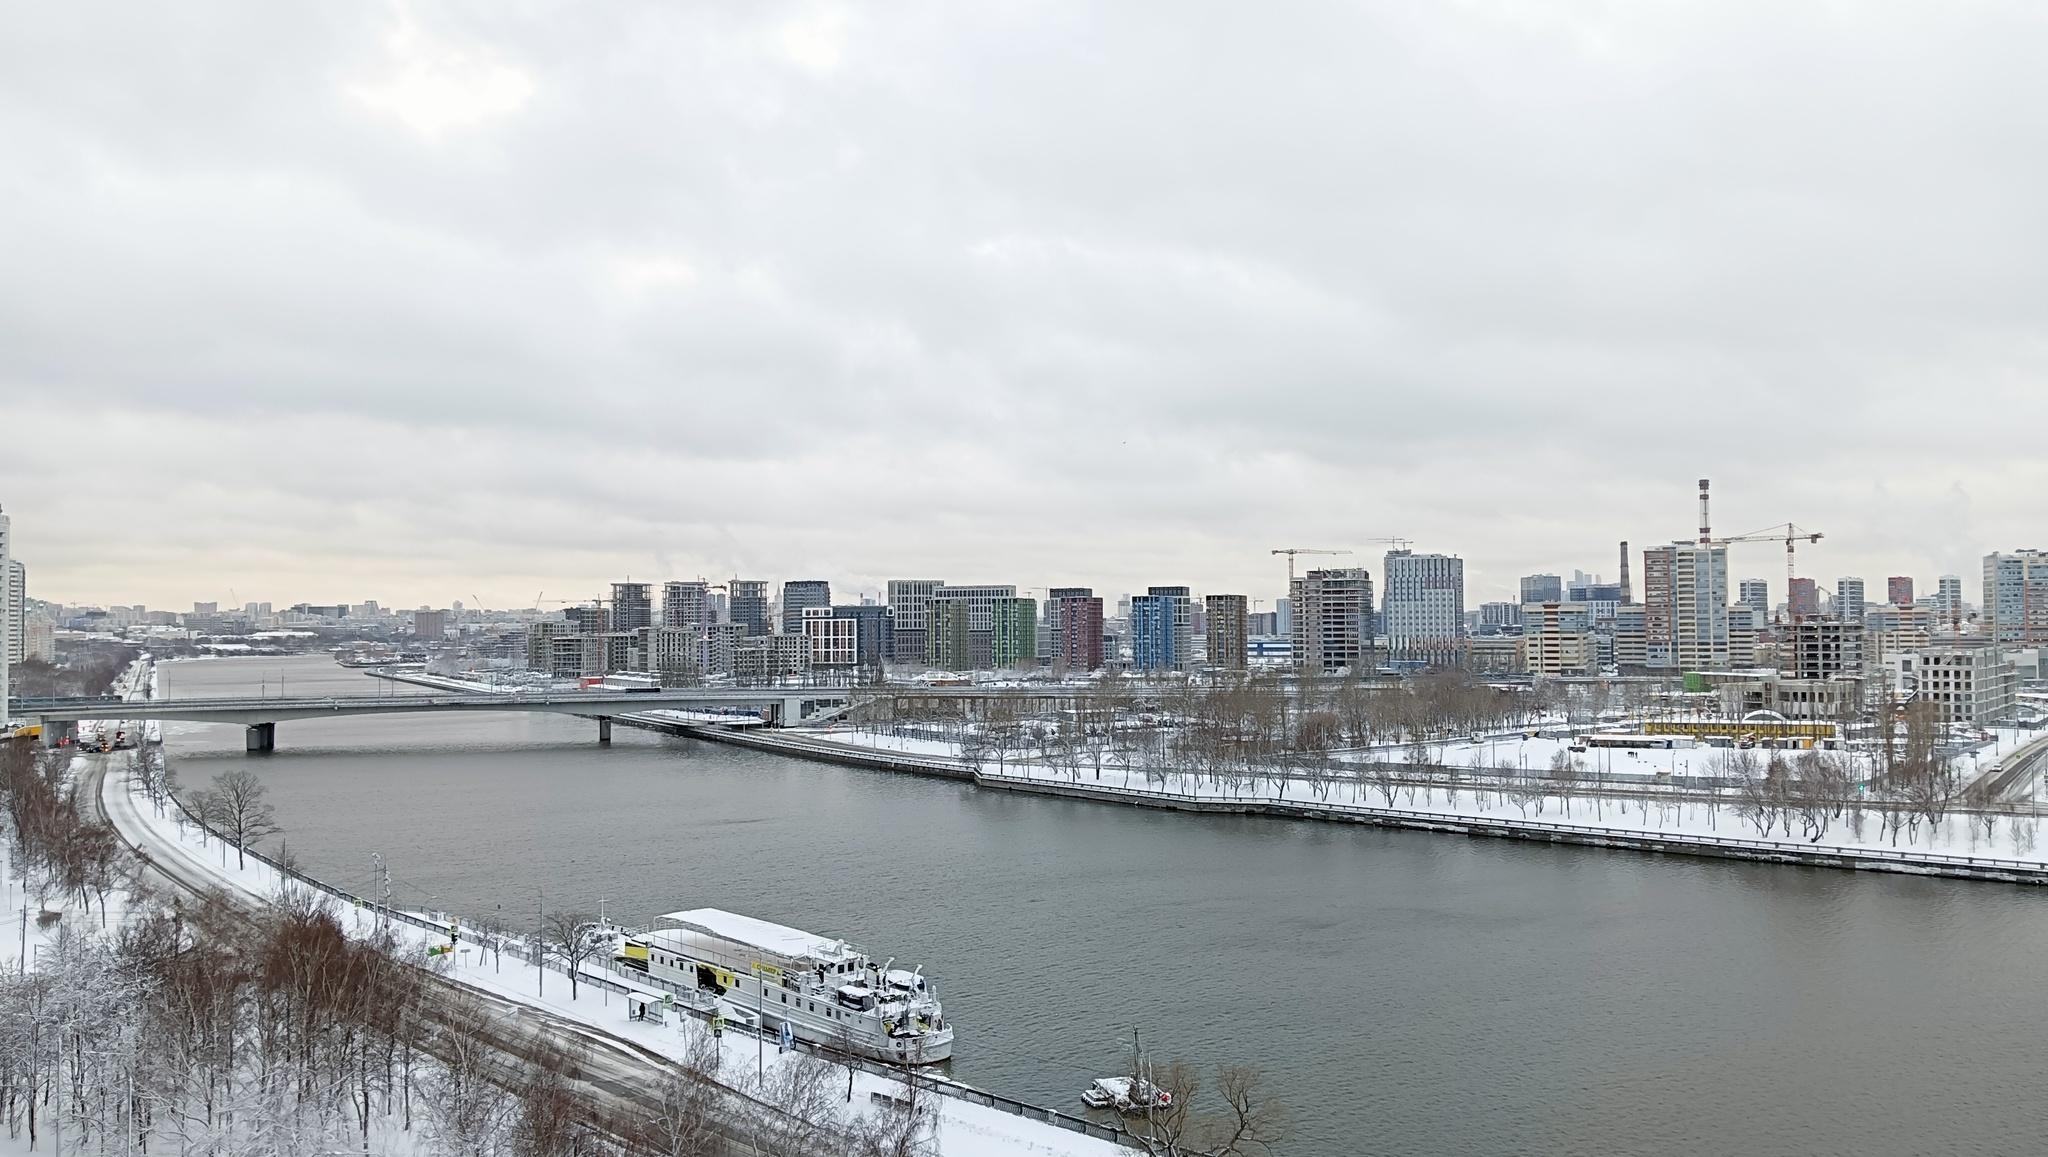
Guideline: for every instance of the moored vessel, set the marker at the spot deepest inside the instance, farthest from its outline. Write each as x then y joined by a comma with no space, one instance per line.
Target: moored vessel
826,992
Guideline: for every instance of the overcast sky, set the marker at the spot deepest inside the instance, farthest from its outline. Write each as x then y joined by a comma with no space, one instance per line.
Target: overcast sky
425,302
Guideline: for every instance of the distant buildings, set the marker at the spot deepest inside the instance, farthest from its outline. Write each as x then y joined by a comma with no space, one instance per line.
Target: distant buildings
1898,590
1541,588
1685,608
910,607
2015,597
686,604
1424,601
8,616
799,595
632,606
966,632
429,624
1162,629
1228,631
747,606
1557,639
1332,619
1077,628
1756,595
1849,606
1802,599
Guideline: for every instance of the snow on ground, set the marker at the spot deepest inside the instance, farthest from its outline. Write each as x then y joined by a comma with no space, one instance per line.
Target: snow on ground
965,1129
1659,811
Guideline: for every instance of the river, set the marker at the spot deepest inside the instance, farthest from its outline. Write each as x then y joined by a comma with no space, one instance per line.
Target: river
1406,993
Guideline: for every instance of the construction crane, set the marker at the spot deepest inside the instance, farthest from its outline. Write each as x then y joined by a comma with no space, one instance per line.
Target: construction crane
1787,533
1291,551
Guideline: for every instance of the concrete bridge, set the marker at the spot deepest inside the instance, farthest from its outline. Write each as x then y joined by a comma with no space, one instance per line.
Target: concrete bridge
776,707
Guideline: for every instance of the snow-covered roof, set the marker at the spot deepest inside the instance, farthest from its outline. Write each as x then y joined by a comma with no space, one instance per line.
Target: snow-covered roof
768,937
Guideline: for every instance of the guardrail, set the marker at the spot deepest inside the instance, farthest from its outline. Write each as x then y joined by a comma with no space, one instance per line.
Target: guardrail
1488,825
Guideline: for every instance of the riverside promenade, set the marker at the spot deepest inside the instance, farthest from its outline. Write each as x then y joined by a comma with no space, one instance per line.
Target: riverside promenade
1658,827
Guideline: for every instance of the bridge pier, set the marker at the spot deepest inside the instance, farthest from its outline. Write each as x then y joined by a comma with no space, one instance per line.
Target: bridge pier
261,737
604,729
55,732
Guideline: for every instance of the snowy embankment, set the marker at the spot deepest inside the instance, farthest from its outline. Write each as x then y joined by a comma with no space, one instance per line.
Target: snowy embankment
1708,817
746,1064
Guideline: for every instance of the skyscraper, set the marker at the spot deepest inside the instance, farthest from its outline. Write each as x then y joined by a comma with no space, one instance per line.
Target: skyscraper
1077,644
798,594
961,636
1424,601
14,601
1332,619
1849,600
1229,633
1898,590
632,606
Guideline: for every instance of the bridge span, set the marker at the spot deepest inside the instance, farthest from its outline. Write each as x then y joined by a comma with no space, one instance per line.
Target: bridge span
260,715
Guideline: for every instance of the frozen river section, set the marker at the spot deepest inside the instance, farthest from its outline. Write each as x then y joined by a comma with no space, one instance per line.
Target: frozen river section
1406,992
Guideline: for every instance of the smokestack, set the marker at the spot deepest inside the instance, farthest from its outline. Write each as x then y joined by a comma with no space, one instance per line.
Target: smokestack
1626,598
1706,533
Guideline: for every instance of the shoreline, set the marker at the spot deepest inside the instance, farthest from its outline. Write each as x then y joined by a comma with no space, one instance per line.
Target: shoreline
1836,857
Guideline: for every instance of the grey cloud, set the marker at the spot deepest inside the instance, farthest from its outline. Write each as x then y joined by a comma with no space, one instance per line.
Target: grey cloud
1017,291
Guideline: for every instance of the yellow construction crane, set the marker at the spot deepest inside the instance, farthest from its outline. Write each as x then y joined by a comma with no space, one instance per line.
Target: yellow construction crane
1291,551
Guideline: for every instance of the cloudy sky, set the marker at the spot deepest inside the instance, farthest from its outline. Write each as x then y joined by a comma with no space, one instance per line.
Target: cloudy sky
424,302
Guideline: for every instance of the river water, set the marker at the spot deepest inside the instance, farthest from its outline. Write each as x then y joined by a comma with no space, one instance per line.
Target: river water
1406,993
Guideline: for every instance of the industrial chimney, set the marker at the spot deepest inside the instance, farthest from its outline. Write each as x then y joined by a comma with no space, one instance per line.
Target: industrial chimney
1626,598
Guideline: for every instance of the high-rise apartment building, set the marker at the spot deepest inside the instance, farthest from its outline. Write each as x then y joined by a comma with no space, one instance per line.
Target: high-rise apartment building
1822,648
1756,595
1162,629
7,601
747,603
588,620
1331,619
14,603
1541,588
799,595
1802,599
1557,639
1685,607
1849,606
1898,590
2015,606
1424,601
873,636
686,604
1948,599
1013,632
429,624
962,626
1660,623
1229,630
1077,639
910,610
632,606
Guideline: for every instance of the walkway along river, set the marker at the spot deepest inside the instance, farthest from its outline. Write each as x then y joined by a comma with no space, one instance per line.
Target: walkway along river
1409,993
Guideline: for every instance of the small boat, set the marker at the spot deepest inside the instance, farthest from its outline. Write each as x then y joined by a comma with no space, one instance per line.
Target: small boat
1125,1095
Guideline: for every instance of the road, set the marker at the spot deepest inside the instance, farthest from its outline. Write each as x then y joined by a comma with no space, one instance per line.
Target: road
616,1074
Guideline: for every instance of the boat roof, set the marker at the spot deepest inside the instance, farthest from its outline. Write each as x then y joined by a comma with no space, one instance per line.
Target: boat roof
769,937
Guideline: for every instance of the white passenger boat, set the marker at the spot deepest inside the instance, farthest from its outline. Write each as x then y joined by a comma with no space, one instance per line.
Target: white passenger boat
828,993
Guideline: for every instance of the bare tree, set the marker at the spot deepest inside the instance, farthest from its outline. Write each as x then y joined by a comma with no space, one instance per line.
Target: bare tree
576,936
236,809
